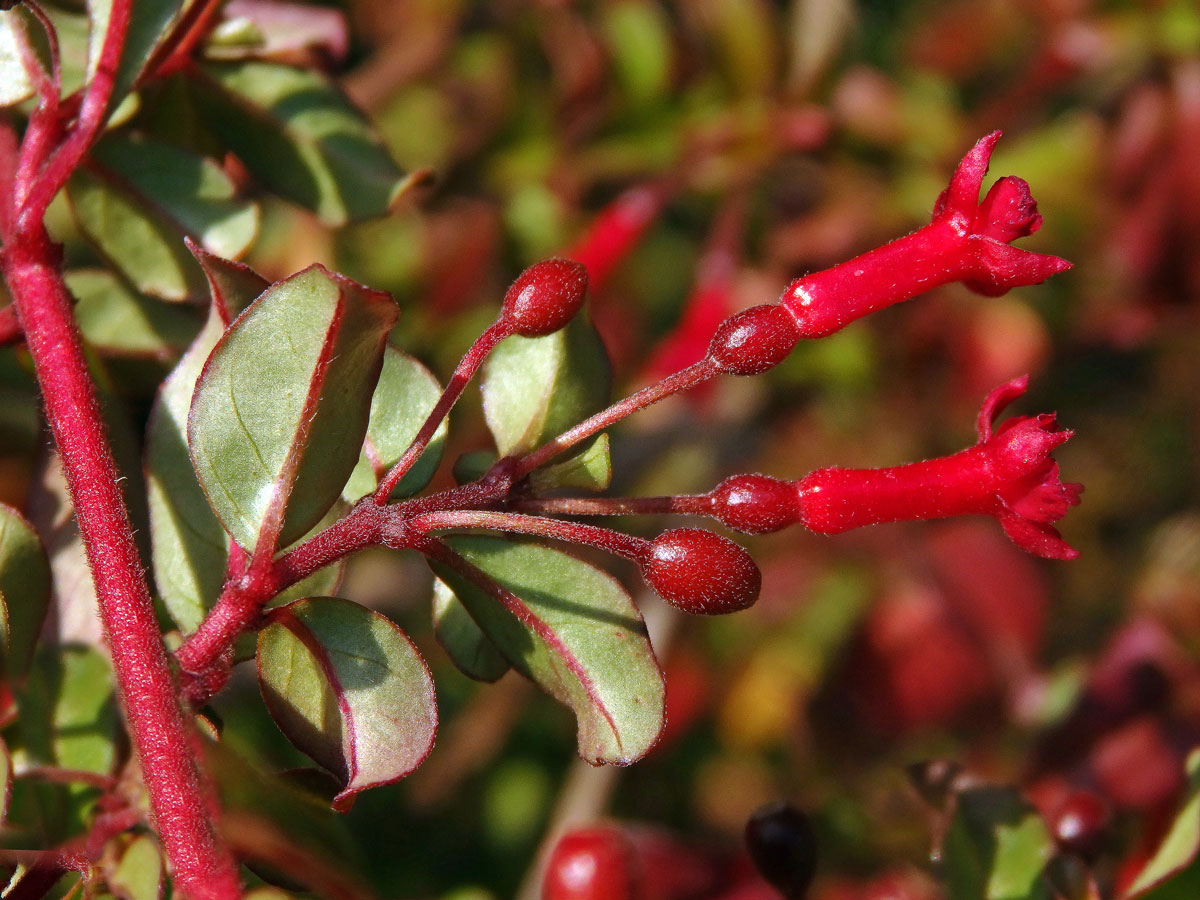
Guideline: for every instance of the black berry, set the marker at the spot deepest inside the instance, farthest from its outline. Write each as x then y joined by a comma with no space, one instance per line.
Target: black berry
783,847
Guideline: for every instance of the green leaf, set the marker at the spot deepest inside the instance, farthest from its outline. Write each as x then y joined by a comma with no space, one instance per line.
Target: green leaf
301,137
279,817
137,198
121,322
280,411
24,590
588,470
189,548
68,711
15,85
536,388
466,645
139,873
349,689
149,23
996,847
573,630
1173,872
404,397
6,774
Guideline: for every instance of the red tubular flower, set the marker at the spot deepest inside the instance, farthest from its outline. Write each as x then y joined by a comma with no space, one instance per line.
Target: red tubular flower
1009,474
967,241
616,230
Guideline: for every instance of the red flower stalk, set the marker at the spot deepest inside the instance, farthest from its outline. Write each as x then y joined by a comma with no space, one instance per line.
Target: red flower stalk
1009,474
967,241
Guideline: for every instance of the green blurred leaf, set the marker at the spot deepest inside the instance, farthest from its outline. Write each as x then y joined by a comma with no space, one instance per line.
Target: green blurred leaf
275,808
68,711
121,322
24,590
403,399
466,645
349,689
588,470
150,21
536,388
15,85
281,408
573,630
1173,872
139,873
189,547
137,198
6,775
301,137
996,847
638,37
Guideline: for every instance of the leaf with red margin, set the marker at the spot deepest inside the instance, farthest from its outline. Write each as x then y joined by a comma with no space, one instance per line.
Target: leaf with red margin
347,687
189,547
1173,872
282,406
573,630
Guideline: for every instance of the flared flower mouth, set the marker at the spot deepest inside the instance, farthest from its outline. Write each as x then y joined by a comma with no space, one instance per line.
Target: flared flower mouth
1007,213
1030,493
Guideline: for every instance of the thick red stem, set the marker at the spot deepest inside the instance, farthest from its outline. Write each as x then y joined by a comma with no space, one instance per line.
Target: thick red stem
203,869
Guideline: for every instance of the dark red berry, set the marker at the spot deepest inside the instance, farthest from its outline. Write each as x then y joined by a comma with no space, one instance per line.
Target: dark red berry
755,504
591,864
1080,823
701,572
783,846
545,297
754,340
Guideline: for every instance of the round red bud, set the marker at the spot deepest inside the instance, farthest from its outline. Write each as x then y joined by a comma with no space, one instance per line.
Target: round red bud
754,340
545,297
594,863
701,572
755,504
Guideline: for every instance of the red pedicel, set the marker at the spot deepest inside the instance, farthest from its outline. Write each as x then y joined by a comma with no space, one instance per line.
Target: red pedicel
1009,474
967,241
701,572
545,297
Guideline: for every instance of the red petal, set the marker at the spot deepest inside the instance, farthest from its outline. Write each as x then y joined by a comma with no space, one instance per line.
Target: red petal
962,196
1036,537
1004,267
1008,211
995,403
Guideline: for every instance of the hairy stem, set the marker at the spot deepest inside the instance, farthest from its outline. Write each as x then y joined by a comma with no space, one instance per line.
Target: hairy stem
682,380
614,506
610,541
458,382
159,731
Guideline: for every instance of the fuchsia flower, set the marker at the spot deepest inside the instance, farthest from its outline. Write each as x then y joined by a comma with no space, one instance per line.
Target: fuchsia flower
1009,474
967,241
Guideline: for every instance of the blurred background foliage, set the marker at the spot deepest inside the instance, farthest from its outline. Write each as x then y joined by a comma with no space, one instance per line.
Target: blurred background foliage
781,137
